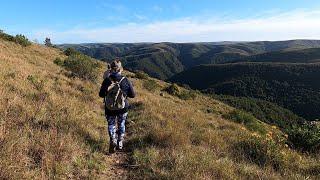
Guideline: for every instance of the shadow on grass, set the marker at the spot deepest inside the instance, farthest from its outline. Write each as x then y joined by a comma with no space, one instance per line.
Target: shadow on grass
96,145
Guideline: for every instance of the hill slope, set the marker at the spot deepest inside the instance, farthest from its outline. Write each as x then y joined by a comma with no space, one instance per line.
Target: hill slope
293,86
163,60
52,126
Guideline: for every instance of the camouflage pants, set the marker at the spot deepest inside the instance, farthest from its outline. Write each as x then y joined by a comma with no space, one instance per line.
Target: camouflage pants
117,127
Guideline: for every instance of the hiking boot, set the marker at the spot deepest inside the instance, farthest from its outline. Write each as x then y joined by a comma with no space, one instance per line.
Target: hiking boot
112,147
120,145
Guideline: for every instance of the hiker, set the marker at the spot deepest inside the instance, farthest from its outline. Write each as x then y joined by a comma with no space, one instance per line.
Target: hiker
115,89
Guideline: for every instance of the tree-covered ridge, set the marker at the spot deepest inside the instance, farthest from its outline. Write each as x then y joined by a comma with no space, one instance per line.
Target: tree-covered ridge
265,111
163,60
310,55
293,86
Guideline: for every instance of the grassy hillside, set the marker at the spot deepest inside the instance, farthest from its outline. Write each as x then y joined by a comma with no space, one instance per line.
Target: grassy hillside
311,55
52,127
163,60
293,86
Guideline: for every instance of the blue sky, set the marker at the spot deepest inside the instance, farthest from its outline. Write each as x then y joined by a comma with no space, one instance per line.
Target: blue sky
146,20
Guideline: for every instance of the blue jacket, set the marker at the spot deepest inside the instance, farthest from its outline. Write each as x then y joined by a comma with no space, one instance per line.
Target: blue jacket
126,87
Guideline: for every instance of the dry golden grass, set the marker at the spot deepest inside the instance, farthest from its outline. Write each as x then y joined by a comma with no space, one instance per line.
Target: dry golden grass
53,126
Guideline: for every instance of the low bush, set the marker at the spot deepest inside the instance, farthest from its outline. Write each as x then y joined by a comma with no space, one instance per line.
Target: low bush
70,51
22,40
6,37
246,119
305,138
19,39
59,62
173,89
183,94
188,94
265,153
82,66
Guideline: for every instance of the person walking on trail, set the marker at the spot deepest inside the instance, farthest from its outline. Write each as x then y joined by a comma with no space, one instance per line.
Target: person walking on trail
115,90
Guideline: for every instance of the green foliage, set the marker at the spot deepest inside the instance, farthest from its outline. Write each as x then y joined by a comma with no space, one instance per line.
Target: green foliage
306,137
163,60
300,136
6,37
58,61
19,39
310,55
264,153
183,94
247,120
187,94
70,51
292,86
22,40
82,66
263,110
173,89
141,75
150,85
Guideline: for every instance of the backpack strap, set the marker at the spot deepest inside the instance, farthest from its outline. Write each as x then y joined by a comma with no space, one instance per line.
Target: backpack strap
121,79
120,83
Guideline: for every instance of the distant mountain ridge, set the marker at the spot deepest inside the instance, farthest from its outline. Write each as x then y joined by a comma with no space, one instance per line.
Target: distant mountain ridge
163,60
310,55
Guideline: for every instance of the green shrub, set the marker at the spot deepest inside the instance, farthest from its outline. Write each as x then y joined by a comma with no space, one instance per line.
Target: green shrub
150,85
263,153
141,75
19,39
306,137
70,51
173,89
22,40
6,37
183,94
82,66
187,94
246,119
59,62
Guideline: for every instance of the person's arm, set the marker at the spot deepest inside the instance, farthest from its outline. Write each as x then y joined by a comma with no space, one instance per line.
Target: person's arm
104,87
131,93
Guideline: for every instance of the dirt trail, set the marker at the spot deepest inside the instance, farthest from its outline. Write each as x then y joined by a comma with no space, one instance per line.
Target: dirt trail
118,166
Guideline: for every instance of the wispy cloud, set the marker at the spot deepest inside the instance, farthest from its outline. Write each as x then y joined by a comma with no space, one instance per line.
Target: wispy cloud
299,24
157,8
140,17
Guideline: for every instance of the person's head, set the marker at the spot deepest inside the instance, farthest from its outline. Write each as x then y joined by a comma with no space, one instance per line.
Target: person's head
116,66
